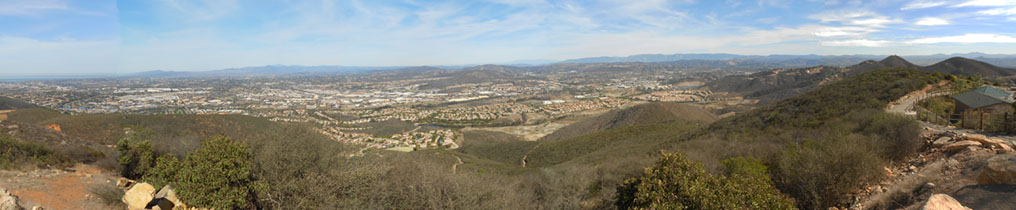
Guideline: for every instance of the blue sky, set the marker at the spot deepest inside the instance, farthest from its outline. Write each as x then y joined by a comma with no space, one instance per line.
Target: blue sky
52,37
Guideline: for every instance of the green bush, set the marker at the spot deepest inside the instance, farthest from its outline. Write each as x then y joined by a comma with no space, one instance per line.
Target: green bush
164,172
820,174
678,183
897,135
136,157
217,175
14,152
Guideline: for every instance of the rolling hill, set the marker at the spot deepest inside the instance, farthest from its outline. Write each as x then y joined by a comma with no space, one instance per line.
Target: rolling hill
773,85
652,113
7,103
969,67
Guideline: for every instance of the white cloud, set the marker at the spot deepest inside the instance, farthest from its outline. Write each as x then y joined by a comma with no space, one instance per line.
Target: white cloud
998,11
966,39
922,5
856,43
986,3
931,21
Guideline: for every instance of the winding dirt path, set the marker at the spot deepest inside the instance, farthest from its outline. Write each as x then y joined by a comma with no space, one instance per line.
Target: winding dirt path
525,158
455,167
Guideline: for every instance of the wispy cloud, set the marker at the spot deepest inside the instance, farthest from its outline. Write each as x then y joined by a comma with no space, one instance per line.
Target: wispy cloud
856,43
966,39
931,21
986,3
922,5
843,31
31,7
999,11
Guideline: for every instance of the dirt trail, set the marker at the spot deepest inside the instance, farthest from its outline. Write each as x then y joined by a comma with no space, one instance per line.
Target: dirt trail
525,158
57,189
455,167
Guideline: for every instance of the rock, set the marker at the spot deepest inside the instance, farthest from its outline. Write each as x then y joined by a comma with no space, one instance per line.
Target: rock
1005,148
983,139
166,199
8,201
960,145
888,172
1000,169
941,142
138,196
912,168
942,202
927,186
124,183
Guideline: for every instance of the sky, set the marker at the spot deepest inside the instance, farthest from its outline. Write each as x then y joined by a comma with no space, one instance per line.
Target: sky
79,37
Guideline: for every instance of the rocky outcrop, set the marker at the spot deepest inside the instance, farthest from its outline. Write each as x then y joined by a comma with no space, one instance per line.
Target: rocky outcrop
943,202
983,140
1000,169
139,196
143,196
8,201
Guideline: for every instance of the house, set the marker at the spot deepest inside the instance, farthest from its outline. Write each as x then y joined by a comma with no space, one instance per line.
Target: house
986,100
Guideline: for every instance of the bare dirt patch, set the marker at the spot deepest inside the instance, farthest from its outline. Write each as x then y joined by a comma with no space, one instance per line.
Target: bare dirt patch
57,189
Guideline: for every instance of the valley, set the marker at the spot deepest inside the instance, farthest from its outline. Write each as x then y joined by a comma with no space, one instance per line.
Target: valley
572,141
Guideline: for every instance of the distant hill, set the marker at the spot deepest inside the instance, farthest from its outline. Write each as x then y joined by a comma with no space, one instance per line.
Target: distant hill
651,113
889,62
796,61
969,67
7,103
776,84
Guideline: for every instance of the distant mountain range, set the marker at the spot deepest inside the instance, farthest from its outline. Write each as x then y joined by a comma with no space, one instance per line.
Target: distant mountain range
690,61
791,61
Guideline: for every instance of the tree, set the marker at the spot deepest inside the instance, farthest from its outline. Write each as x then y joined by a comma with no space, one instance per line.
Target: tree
217,175
678,183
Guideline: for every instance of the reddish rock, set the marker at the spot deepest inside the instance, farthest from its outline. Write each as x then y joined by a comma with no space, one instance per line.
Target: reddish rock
943,202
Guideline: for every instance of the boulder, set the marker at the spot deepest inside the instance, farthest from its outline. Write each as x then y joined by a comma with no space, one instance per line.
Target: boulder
943,202
961,145
941,142
166,199
8,201
1000,169
139,196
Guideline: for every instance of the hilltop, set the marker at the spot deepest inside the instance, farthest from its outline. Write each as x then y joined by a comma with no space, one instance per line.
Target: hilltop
969,67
